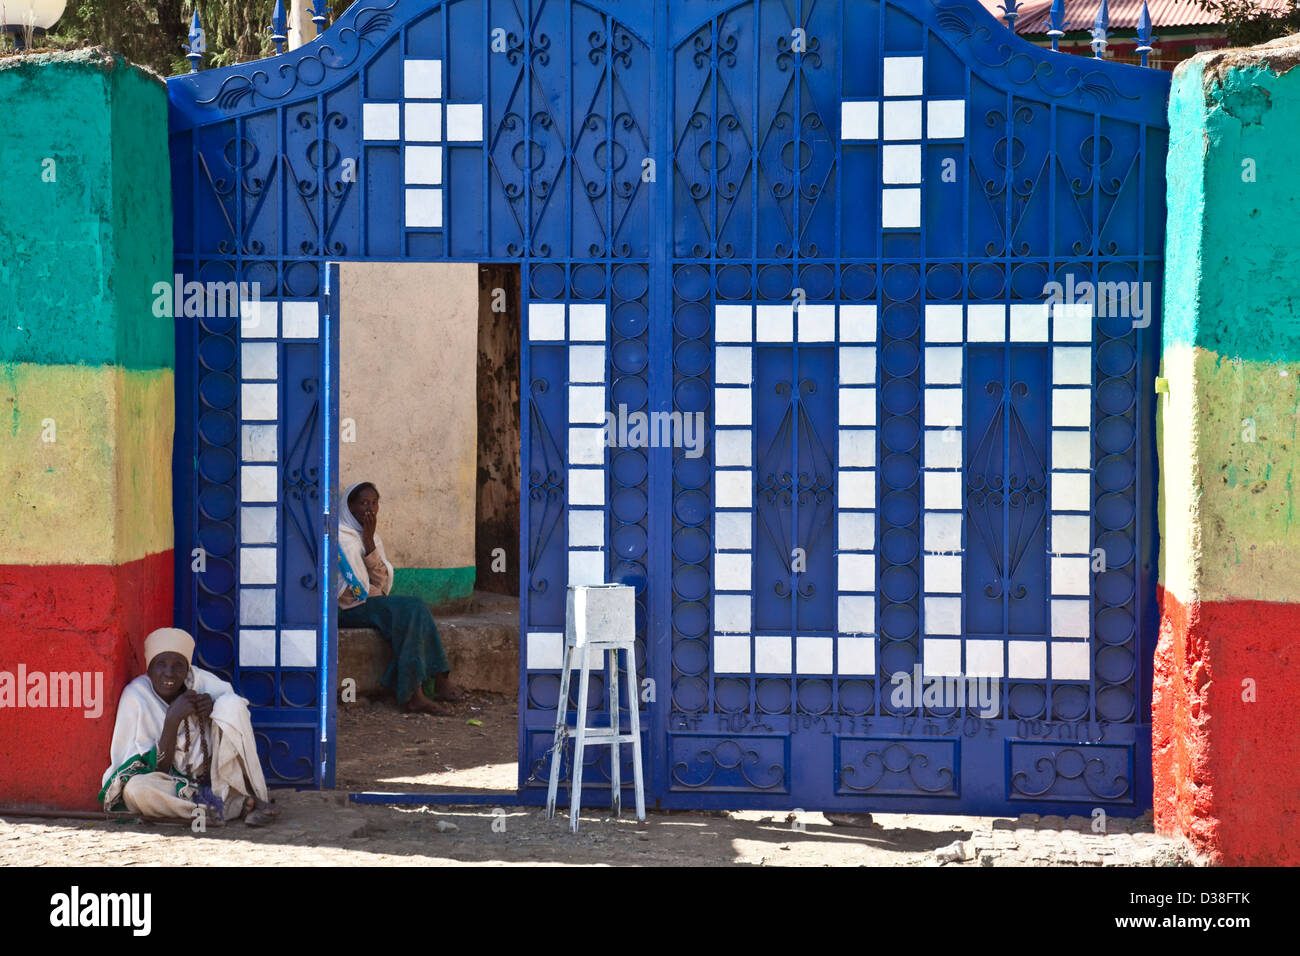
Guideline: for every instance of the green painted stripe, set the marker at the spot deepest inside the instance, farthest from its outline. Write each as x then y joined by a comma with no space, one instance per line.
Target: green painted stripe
434,585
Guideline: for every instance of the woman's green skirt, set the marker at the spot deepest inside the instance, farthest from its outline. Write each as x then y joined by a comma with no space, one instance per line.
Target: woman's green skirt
409,626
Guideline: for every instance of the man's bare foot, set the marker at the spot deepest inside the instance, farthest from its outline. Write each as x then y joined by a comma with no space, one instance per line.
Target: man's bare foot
259,813
446,690
421,704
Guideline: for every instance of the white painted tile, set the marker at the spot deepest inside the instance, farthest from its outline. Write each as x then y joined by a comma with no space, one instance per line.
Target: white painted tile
258,443
1071,534
943,323
772,655
943,365
857,406
943,491
901,164
943,407
733,365
298,648
857,656
423,166
775,323
942,615
1071,407
300,320
1027,659
464,122
257,525
731,571
900,208
732,530
731,654
587,486
1070,660
732,446
257,607
380,121
986,323
1029,322
857,571
587,322
587,404
942,574
1071,365
941,657
586,363
258,483
731,615
1071,449
1072,322
816,323
422,79
1071,491
1070,575
984,659
586,567
943,448
902,119
546,321
1071,618
259,318
257,565
733,489
903,75
586,446
857,489
856,614
424,122
857,530
857,323
857,366
423,208
586,528
734,323
945,119
857,448
815,655
859,119
259,360
942,531
732,406
256,648
545,650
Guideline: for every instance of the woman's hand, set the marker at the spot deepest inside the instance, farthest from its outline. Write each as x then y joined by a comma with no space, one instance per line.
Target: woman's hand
368,523
183,706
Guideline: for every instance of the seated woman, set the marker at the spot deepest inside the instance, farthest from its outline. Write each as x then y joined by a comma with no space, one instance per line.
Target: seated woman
183,739
364,601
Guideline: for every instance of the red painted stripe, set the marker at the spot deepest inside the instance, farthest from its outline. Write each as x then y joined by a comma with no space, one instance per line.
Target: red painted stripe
59,618
1227,770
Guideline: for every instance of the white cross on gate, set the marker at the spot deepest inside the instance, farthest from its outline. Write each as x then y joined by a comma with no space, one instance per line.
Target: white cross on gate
416,124
900,158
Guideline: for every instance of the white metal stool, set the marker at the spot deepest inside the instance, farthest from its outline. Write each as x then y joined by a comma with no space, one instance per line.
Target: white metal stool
600,621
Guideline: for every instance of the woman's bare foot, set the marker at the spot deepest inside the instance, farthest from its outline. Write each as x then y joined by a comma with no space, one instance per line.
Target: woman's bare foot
445,689
421,704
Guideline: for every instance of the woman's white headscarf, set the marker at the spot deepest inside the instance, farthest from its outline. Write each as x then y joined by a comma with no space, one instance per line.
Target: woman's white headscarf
354,550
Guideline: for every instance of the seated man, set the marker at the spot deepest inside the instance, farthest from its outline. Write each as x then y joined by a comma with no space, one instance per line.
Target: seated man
183,739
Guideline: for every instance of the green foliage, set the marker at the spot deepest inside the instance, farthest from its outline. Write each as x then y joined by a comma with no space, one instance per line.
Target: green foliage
1248,22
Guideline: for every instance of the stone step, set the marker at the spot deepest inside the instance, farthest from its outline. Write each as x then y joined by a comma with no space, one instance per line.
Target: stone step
482,648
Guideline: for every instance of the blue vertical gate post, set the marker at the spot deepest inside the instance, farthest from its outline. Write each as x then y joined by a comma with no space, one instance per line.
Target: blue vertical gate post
903,266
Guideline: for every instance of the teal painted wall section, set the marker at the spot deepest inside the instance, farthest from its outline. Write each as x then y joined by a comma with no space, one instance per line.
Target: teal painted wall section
434,585
1231,118
84,237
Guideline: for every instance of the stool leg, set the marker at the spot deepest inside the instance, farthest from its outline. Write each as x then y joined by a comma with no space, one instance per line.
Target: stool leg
634,714
580,740
615,750
561,728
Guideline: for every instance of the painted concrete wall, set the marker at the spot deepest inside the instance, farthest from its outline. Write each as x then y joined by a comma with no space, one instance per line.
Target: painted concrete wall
1226,747
86,408
407,364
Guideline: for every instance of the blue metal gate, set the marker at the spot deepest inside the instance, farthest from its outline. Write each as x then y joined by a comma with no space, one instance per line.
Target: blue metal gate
830,228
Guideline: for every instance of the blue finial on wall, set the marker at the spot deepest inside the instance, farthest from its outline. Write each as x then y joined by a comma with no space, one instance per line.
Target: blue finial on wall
1100,28
198,43
278,35
1058,23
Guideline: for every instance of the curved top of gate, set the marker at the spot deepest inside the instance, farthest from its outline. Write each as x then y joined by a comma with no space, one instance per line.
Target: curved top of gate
988,48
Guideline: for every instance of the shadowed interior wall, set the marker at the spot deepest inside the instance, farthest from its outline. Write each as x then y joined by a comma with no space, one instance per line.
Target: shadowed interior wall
497,539
408,402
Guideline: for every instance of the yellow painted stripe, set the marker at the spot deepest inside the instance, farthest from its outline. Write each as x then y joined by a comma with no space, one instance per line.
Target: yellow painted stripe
85,457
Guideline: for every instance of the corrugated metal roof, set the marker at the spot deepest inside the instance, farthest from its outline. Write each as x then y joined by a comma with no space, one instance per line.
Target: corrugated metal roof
1035,15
